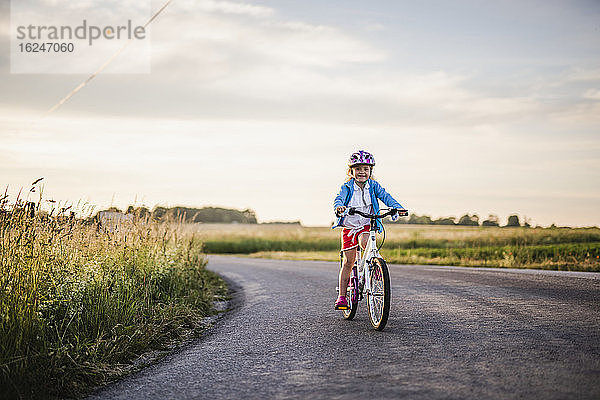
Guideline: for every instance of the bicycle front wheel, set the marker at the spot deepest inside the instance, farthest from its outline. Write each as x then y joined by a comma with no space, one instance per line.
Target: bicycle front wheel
379,297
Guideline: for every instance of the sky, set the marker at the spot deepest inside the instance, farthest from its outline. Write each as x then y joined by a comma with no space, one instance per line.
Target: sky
468,106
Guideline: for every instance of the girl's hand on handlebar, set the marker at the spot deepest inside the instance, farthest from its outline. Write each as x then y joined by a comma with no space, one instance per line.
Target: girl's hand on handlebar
340,211
397,213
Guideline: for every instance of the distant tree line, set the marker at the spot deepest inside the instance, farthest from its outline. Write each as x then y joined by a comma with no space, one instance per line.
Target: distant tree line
191,215
228,216
465,220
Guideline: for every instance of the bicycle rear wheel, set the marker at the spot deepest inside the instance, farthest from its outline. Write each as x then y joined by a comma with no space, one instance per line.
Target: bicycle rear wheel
352,297
379,297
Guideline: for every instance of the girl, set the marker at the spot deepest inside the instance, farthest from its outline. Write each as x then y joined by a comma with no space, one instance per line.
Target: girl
360,192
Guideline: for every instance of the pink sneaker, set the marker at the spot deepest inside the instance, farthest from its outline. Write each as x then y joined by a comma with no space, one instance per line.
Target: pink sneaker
341,303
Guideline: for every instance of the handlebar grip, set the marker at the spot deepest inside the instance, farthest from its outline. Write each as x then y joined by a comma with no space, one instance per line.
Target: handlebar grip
351,211
402,213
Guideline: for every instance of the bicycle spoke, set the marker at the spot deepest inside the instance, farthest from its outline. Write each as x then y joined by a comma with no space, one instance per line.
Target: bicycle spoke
378,296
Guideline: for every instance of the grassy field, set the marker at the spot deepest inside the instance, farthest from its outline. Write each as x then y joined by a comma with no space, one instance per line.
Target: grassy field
573,249
77,303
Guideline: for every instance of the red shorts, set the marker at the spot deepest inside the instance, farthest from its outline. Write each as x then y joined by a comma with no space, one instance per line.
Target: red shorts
351,241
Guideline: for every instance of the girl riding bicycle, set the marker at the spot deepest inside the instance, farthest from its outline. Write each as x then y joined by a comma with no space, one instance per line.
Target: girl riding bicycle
362,193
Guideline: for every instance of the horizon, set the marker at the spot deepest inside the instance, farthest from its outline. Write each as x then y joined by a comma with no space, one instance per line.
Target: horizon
92,209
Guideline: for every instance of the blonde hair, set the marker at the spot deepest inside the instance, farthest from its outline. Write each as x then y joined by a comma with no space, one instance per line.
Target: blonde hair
349,175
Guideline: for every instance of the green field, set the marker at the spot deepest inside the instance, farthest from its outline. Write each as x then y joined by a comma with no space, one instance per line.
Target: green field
571,249
78,304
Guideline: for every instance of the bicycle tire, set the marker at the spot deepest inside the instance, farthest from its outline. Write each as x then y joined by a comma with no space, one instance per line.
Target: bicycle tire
379,297
351,312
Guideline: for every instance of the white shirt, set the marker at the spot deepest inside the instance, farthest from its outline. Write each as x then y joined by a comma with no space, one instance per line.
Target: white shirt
361,200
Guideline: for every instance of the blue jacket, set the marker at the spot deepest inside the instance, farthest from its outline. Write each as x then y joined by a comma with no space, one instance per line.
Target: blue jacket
375,190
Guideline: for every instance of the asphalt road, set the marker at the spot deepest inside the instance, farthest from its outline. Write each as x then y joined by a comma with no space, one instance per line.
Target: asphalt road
453,333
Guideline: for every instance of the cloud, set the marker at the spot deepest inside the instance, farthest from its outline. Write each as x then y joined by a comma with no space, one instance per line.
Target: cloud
217,59
227,7
308,68
69,12
242,43
311,69
586,115
592,94
580,74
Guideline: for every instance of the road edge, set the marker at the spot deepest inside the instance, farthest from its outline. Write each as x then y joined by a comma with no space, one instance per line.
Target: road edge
224,310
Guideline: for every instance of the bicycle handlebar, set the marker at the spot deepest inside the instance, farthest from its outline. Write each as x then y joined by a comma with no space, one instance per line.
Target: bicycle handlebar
401,213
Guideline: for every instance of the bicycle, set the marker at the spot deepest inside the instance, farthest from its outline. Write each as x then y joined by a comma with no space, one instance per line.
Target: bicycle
376,281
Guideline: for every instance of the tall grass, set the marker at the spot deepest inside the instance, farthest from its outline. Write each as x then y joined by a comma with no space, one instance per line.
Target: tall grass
566,249
77,302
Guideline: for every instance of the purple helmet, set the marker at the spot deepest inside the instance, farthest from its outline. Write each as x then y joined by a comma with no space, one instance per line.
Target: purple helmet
361,157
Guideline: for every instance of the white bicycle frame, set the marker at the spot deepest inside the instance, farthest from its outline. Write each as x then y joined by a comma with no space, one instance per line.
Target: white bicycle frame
370,252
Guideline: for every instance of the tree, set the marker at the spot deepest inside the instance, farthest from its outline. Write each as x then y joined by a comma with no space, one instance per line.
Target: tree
139,212
421,220
513,220
445,221
492,220
159,212
469,220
